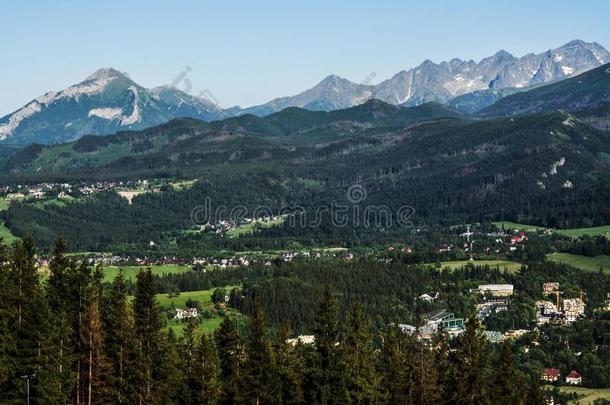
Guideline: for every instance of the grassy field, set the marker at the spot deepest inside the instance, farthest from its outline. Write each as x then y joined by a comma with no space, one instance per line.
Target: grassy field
249,228
573,233
207,326
577,232
513,225
582,262
205,298
6,234
502,264
130,272
587,395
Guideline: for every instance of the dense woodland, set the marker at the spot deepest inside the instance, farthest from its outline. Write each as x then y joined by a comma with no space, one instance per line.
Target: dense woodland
93,342
87,342
544,169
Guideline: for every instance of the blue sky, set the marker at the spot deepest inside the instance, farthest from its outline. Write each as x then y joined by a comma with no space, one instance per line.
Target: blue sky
247,52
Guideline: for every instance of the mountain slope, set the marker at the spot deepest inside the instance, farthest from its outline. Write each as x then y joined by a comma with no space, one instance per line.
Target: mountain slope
540,169
447,80
586,91
105,102
288,128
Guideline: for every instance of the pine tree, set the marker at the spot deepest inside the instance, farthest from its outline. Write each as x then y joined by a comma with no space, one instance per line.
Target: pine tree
147,331
61,333
362,379
229,353
256,380
28,318
471,363
94,364
118,342
394,367
506,382
329,376
206,370
288,369
7,316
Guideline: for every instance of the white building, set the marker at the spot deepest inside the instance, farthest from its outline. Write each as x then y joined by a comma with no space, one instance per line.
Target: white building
574,378
497,290
573,309
186,313
303,339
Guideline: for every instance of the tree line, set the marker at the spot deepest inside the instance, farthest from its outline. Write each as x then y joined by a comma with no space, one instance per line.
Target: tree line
87,342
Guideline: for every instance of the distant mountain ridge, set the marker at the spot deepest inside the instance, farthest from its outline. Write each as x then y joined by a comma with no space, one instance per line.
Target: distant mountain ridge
588,90
447,80
108,101
105,102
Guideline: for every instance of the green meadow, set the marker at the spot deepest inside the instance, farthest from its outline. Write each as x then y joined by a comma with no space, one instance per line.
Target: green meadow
501,264
586,263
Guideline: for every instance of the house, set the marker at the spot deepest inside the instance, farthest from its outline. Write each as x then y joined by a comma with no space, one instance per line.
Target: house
551,374
518,238
303,339
430,296
573,309
550,288
574,378
545,311
497,290
186,313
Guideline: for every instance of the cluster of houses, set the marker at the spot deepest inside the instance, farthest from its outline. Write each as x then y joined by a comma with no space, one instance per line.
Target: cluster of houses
494,298
433,321
565,311
554,374
66,190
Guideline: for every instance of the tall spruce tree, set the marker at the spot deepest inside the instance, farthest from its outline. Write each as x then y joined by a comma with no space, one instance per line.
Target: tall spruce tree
329,374
95,365
147,332
362,379
206,370
257,375
394,367
229,353
471,361
288,369
118,342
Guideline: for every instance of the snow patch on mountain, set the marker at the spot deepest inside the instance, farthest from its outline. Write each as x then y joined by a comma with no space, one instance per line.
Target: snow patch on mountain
88,87
135,114
106,113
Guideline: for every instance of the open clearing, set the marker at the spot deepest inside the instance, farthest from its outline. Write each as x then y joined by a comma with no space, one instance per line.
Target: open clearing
5,234
249,228
502,264
205,298
572,233
586,263
130,272
587,395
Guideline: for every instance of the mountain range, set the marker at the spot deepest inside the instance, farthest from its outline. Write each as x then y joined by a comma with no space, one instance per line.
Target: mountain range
109,101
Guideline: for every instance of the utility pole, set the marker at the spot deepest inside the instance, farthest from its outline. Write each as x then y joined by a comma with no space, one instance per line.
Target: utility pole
28,378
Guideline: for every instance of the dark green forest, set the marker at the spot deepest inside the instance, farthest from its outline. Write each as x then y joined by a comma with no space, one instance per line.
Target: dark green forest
87,342
93,342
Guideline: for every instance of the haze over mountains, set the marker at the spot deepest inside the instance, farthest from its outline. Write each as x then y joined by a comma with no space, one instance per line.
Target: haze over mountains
109,101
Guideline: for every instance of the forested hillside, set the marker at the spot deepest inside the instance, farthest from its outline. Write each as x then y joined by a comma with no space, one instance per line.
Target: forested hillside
546,169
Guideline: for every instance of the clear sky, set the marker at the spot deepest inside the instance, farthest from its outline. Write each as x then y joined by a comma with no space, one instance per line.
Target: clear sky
248,52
